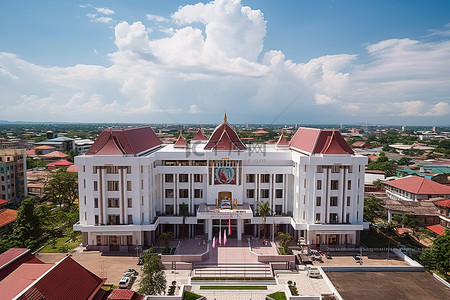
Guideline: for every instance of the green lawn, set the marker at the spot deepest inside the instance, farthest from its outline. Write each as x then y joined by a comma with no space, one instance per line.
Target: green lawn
231,287
278,296
190,295
60,244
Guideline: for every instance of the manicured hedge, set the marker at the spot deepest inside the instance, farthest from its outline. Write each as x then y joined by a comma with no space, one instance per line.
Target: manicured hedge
230,287
232,278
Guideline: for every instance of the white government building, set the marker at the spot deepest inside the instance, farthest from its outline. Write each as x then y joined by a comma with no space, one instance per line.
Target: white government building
131,186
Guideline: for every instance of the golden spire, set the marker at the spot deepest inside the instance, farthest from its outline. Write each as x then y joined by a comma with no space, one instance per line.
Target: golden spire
225,116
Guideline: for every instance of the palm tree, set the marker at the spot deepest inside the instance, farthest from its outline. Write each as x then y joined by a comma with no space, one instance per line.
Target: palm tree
264,210
286,238
166,237
184,211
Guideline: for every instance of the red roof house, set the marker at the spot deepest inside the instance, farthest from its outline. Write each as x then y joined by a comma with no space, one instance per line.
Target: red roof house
281,140
72,169
55,154
199,136
415,188
319,141
181,142
12,258
439,229
124,141
7,216
224,138
59,163
361,145
118,294
257,132
65,279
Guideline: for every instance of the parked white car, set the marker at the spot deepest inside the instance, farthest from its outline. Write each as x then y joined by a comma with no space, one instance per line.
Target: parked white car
313,272
124,282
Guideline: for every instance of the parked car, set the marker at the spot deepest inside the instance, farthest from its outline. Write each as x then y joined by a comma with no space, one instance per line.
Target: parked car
124,282
328,256
140,261
130,273
357,258
313,272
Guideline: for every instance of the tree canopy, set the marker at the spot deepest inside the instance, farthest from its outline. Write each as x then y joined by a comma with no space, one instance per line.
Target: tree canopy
62,188
153,281
437,257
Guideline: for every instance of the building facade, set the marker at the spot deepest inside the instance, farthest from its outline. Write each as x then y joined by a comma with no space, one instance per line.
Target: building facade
131,187
13,181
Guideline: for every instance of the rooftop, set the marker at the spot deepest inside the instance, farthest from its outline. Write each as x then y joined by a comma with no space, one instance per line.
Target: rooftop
7,216
439,229
419,185
320,141
422,208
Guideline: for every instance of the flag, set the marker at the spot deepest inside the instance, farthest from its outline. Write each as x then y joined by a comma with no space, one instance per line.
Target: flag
220,237
224,237
214,242
229,226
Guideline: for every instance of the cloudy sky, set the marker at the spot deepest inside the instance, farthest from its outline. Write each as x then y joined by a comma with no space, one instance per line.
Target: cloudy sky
262,61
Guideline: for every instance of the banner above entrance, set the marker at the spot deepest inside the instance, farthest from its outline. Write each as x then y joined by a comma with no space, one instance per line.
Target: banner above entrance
211,212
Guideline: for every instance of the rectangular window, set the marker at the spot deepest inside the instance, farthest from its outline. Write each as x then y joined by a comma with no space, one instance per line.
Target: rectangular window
169,193
317,218
84,200
335,169
128,170
318,201
112,170
279,178
319,169
333,218
142,200
198,193
129,185
250,193
319,185
348,201
94,170
130,219
95,202
113,219
183,177
347,218
333,201
95,185
250,178
183,193
142,169
350,169
96,219
349,185
130,202
265,193
113,202
198,178
304,183
278,209
169,209
278,193
112,185
265,178
334,184
168,177
85,215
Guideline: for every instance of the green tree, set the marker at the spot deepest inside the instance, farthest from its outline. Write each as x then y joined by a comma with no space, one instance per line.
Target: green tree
30,223
377,183
153,281
405,161
372,208
264,210
286,238
166,237
409,221
184,211
62,188
437,257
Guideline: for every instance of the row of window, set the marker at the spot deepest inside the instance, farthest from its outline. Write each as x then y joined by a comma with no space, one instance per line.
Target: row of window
184,193
265,178
333,218
114,202
183,177
112,169
112,185
334,185
333,201
334,169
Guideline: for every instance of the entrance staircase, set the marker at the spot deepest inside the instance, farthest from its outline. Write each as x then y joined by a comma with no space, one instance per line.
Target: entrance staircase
232,270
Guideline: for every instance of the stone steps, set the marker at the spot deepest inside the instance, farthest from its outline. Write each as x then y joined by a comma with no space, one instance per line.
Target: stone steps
233,270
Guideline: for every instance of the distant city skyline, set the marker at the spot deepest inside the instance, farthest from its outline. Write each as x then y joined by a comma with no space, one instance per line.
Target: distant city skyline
264,62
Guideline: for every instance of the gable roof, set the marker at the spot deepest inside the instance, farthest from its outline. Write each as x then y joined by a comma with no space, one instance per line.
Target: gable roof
61,162
124,141
65,280
281,140
118,294
7,216
224,138
55,154
439,229
320,141
44,147
12,258
181,142
443,203
419,185
199,136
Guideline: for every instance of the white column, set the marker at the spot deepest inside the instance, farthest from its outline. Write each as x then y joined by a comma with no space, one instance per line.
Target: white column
240,224
208,224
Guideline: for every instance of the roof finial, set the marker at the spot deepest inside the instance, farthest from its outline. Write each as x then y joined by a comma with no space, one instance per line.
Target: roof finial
225,116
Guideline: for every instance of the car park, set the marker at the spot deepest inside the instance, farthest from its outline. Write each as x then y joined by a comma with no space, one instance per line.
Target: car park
124,282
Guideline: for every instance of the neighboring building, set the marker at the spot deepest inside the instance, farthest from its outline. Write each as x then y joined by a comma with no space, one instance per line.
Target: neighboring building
15,144
59,163
60,143
131,186
415,146
13,181
362,145
415,188
444,212
45,149
54,155
370,177
7,216
119,294
65,279
424,211
436,172
82,145
12,258
36,182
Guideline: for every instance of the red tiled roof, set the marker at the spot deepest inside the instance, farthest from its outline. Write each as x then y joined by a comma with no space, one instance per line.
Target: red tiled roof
7,216
55,154
2,201
124,141
443,203
282,141
439,229
224,138
259,132
181,142
73,169
118,294
30,152
320,141
66,280
11,259
44,147
359,144
419,185
61,162
199,136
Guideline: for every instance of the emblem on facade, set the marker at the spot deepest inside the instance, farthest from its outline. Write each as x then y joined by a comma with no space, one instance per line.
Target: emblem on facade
225,175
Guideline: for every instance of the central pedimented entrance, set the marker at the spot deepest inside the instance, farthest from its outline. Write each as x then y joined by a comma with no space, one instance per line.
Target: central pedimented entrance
224,195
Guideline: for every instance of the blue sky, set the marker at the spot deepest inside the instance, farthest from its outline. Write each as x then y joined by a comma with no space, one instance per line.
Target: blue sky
263,61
